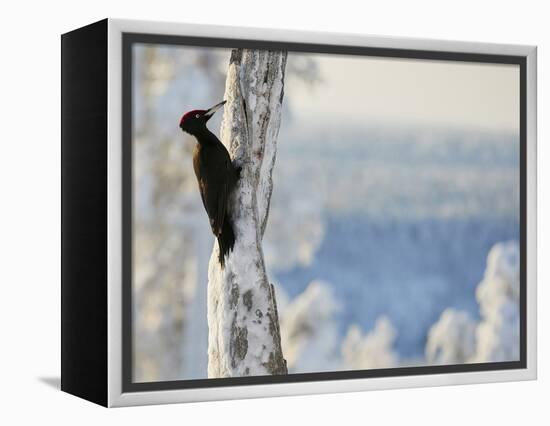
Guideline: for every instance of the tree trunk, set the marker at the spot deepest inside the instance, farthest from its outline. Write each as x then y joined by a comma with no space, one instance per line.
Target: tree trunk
244,337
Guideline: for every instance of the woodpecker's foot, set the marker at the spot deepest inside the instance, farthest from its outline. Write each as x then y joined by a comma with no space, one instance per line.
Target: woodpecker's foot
238,170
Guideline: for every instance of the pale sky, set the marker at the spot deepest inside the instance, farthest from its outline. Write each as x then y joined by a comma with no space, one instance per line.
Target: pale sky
412,91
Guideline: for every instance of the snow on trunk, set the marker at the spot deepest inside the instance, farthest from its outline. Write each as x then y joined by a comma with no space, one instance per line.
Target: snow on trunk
244,336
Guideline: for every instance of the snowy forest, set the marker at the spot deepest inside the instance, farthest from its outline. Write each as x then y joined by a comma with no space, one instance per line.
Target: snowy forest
390,242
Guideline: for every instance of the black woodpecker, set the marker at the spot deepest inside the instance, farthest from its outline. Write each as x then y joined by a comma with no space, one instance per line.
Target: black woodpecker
216,175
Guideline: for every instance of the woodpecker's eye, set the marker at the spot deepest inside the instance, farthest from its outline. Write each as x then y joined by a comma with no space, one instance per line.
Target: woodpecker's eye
197,115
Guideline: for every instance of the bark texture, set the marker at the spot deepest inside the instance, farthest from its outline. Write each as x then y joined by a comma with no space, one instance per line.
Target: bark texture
244,336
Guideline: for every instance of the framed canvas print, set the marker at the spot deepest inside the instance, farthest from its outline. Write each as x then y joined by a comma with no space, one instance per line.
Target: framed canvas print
253,213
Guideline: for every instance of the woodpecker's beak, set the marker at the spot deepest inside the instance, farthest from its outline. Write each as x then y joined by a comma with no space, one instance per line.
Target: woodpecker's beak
208,114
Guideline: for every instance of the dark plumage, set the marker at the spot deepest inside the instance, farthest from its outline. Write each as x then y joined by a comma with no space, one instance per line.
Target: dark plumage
216,176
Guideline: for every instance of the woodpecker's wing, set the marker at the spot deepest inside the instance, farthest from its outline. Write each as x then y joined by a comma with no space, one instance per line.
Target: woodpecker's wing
214,198
213,185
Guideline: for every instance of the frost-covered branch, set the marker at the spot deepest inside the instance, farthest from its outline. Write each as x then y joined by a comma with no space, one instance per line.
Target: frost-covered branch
244,336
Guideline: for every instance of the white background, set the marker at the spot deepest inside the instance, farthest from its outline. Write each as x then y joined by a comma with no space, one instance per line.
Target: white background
30,194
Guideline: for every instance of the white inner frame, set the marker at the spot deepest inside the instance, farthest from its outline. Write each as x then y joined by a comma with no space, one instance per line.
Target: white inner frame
114,162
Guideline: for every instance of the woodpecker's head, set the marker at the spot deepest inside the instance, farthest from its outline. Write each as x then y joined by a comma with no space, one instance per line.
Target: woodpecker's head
194,122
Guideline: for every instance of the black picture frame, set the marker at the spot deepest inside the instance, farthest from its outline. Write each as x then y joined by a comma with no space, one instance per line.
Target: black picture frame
87,315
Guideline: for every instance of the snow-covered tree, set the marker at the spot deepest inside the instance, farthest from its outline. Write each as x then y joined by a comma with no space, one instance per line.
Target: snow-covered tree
309,330
244,335
497,334
451,340
456,338
373,350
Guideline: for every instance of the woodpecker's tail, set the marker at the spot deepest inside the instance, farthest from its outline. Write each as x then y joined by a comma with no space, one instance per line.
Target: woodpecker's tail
226,241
